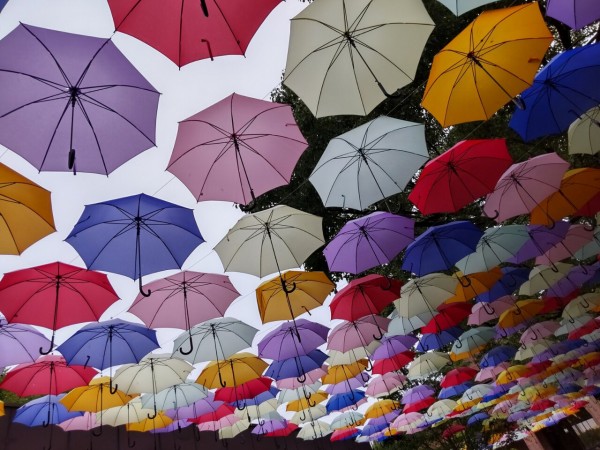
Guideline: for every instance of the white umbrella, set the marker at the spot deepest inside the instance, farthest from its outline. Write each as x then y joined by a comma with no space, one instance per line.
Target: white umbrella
309,414
401,326
182,394
542,277
255,412
424,294
582,304
427,364
346,419
584,133
459,7
270,241
235,429
131,412
369,163
346,55
314,430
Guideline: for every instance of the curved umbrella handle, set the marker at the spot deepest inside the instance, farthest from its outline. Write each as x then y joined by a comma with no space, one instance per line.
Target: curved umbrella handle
591,226
380,337
301,378
111,389
469,282
145,294
311,403
585,303
286,289
45,352
243,406
495,216
204,8
261,422
458,343
223,383
46,423
490,311
152,416
386,93
187,352
303,416
503,333
130,444
552,225
369,365
362,375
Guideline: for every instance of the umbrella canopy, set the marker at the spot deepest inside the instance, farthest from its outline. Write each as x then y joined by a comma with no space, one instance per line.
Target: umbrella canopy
459,7
288,341
296,366
460,175
357,333
233,371
427,364
182,394
280,237
385,384
425,294
95,397
152,374
368,242
340,59
298,293
369,163
55,295
561,92
524,185
315,429
575,13
131,412
26,212
44,411
583,134
184,299
135,236
472,77
19,343
191,31
251,141
93,110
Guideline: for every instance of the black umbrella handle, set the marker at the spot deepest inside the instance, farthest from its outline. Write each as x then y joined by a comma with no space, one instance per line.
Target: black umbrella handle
204,8
45,352
145,294
187,352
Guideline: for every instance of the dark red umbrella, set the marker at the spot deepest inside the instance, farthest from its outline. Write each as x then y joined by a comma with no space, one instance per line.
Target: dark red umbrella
189,30
55,295
219,413
460,175
393,363
419,405
452,430
289,429
458,376
249,389
449,316
48,375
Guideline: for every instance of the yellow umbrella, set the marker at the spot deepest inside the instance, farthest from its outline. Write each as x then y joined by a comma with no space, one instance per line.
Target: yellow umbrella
522,311
160,421
512,374
487,64
472,285
343,372
233,371
303,403
291,294
25,210
95,397
381,408
533,393
1,408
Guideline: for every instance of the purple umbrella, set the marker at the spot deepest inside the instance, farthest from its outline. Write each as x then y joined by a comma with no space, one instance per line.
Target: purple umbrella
237,149
575,278
72,102
19,343
268,426
283,342
541,240
368,242
297,366
575,13
347,385
416,394
199,408
392,345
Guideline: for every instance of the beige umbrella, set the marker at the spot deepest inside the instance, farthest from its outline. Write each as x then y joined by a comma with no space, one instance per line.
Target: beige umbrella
314,430
427,364
308,415
582,304
235,429
542,277
346,55
584,133
130,412
424,294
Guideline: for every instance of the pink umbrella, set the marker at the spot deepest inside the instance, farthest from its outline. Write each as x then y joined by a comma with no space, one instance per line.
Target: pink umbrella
347,385
577,236
539,331
358,333
311,377
491,372
81,423
483,312
385,384
524,185
237,149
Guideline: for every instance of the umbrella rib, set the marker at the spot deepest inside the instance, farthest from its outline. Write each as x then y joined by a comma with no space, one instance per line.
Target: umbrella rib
89,64
53,97
89,122
58,66
50,142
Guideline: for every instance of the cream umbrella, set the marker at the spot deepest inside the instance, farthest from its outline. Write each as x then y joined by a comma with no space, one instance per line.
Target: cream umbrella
424,294
584,133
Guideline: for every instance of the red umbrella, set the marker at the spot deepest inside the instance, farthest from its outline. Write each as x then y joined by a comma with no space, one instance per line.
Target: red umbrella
344,434
418,405
452,430
289,429
222,411
542,404
191,30
458,376
459,176
364,296
449,316
393,363
590,326
48,375
249,389
55,295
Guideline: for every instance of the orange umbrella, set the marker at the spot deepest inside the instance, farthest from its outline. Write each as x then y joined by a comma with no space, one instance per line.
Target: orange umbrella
233,371
522,311
472,285
305,403
343,372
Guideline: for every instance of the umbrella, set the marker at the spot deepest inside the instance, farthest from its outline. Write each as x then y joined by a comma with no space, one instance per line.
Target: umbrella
191,31
19,343
296,366
270,241
459,7
312,377
135,236
472,77
184,299
314,430
246,393
369,163
467,171
214,340
283,343
369,241
356,334
26,212
392,345
130,412
300,292
55,295
538,331
458,376
46,410
439,339
484,312
471,342
511,279
541,239
427,364
79,423
94,397
543,277
159,420
392,364
233,430
524,185
233,371
251,141
342,372
182,394
93,110
47,375
340,61
425,294
440,247
561,92
385,384
575,13
584,134
577,236
523,310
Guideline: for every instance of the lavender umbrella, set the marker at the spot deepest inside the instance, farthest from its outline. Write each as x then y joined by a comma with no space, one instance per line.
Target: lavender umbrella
283,342
392,345
368,242
347,385
575,13
541,239
296,366
71,102
19,343
417,393
198,408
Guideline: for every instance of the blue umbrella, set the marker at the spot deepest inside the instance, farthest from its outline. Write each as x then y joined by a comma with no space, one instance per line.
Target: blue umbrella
44,411
259,399
475,418
561,92
499,391
511,280
341,401
135,236
297,366
497,355
372,428
454,391
438,248
434,341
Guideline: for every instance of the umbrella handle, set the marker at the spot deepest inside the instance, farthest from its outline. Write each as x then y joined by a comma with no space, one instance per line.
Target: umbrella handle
552,225
151,416
242,408
458,343
370,365
503,333
97,434
145,294
223,383
362,375
490,311
285,288
130,444
386,93
311,403
111,389
301,378
586,304
303,416
204,8
380,337
495,216
45,352
187,352
469,282
591,225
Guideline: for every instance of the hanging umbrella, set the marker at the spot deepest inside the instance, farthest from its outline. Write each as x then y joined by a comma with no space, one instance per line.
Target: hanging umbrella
79,423
356,334
459,7
19,343
512,278
538,331
214,340
524,185
282,342
314,430
392,345
55,295
135,236
438,339
93,110
483,312
458,376
44,411
575,13
474,284
401,325
368,242
233,371
296,366
543,277
440,246
131,412
191,31
471,342
337,374
159,420
184,299
467,171
312,377
471,77
300,292
385,384
94,397
541,239
561,92
346,420
425,294
254,142
351,355
182,394
427,364
233,430
584,134
369,163
26,212
339,61
523,311
577,236
47,375
393,363
246,393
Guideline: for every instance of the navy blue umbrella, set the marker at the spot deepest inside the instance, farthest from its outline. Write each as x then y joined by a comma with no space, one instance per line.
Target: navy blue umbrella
438,248
434,341
561,92
512,279
454,391
497,355
297,366
135,236
343,400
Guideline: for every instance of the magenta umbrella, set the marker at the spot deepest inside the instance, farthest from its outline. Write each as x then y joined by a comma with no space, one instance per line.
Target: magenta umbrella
524,185
237,149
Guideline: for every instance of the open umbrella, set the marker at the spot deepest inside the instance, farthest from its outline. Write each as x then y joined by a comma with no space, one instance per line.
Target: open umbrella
233,371
459,7
19,343
44,411
55,295
584,134
93,110
282,342
369,163
251,141
135,236
425,294
473,76
340,60
192,30
575,13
